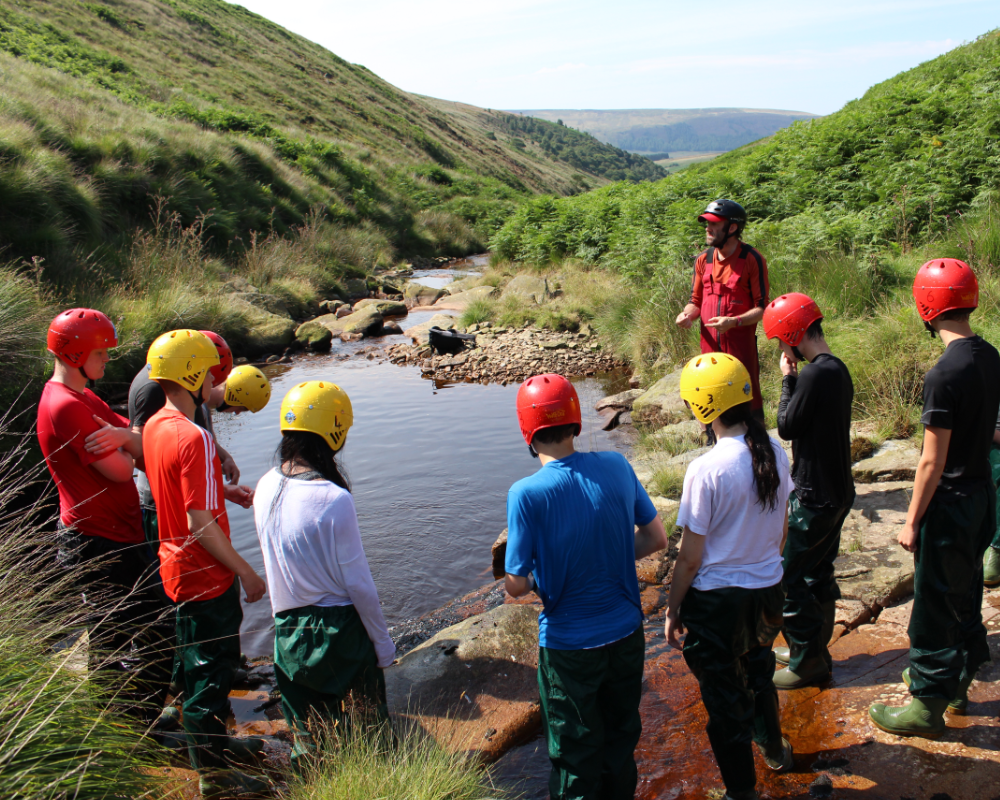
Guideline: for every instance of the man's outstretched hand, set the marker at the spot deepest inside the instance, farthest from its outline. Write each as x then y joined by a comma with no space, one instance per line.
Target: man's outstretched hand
241,495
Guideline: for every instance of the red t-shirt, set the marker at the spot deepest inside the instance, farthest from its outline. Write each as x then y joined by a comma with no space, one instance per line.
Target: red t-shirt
185,474
88,501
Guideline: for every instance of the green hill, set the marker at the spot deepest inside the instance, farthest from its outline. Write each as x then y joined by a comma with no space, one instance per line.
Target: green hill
659,130
106,106
845,207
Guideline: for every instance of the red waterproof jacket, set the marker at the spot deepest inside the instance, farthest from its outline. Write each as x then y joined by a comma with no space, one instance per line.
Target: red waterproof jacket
727,290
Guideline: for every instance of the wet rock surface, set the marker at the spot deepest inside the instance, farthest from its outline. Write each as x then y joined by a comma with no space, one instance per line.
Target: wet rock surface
505,354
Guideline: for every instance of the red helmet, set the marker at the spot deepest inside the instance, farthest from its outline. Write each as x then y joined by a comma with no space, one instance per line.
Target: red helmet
788,316
545,401
221,370
76,332
942,285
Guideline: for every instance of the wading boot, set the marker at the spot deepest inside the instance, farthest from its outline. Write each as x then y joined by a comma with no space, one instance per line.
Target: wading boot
960,704
829,610
778,756
782,655
812,669
922,717
991,567
229,783
169,719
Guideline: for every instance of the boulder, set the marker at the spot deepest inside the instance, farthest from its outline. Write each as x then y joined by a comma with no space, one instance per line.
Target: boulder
367,321
356,288
343,311
330,306
473,686
499,552
391,329
661,404
893,461
528,287
622,400
266,332
419,332
420,295
387,308
314,336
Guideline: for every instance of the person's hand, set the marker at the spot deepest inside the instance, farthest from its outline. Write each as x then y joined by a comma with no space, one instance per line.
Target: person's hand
788,367
253,586
673,628
229,470
684,320
722,324
241,495
908,537
106,439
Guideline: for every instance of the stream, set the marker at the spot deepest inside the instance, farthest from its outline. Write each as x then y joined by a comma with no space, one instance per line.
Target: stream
430,464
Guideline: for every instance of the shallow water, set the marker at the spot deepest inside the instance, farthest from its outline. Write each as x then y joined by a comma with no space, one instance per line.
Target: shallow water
430,464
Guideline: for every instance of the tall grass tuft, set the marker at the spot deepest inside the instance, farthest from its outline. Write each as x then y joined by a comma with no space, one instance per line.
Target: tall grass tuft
361,767
59,735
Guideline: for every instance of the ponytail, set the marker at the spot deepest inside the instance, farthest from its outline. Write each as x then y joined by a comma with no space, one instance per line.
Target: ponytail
766,478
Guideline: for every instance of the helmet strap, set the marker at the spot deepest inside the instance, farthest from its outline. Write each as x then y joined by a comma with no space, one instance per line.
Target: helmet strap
533,451
930,329
798,353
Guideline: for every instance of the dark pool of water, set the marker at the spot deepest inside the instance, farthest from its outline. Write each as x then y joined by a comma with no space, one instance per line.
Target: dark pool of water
430,464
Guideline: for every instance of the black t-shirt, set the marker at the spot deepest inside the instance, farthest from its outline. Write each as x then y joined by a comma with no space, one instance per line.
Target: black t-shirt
962,394
814,413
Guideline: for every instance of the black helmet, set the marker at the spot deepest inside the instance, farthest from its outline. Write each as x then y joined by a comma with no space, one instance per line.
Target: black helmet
721,209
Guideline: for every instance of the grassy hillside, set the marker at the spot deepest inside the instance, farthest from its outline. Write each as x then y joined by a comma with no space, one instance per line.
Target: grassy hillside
228,115
659,130
845,207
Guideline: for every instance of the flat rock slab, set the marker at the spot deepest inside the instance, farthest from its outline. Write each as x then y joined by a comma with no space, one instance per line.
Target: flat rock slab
473,686
872,568
387,308
366,321
622,400
893,461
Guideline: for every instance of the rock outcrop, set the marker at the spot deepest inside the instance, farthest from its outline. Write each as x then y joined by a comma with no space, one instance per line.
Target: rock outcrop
661,404
314,336
528,287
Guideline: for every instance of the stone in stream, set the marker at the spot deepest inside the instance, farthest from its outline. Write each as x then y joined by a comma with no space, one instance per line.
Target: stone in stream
392,329
267,331
387,308
622,400
366,321
343,311
420,295
473,686
314,336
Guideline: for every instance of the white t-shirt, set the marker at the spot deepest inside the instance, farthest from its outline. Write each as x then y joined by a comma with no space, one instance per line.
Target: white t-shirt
742,540
313,554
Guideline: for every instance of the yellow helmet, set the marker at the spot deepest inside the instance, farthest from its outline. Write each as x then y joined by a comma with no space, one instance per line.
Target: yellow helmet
183,356
714,382
248,387
320,407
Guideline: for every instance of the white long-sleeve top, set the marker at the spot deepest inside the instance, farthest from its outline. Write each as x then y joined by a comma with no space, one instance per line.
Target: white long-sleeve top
313,554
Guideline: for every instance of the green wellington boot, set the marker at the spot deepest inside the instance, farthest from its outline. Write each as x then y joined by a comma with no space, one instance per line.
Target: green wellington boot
229,783
237,748
779,756
813,671
922,717
960,704
782,655
991,567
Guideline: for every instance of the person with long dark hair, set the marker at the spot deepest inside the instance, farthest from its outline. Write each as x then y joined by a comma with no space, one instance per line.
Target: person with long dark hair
330,638
726,590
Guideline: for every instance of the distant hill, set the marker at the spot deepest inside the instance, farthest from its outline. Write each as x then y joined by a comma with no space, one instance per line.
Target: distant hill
669,129
108,105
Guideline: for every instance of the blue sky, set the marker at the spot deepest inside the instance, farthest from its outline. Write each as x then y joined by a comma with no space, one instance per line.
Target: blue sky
524,54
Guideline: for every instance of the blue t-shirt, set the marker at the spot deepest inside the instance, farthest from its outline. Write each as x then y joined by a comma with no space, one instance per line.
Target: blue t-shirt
572,524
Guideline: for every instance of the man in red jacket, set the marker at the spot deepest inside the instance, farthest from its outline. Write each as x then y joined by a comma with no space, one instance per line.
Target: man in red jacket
729,292
90,452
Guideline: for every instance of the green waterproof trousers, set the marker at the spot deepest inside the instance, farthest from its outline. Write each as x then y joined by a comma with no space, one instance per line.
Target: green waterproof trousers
809,583
208,645
590,715
728,648
995,464
322,655
947,635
